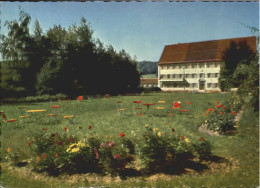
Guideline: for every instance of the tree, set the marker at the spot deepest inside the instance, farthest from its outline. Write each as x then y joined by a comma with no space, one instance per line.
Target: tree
14,50
248,76
232,57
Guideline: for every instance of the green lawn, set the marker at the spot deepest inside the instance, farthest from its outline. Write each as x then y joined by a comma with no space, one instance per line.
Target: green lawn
239,166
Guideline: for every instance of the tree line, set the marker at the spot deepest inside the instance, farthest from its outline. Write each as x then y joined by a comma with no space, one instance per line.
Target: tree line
68,61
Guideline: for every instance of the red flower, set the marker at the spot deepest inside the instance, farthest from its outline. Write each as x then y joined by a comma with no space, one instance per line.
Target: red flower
107,96
80,98
65,128
121,134
210,109
187,102
89,127
173,129
217,102
202,139
30,143
70,139
96,153
116,156
55,106
11,120
182,137
44,156
56,155
206,114
139,114
235,113
44,129
219,105
223,107
220,113
177,105
53,135
138,102
183,110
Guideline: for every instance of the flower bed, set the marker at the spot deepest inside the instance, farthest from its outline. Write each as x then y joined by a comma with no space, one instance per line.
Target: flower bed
221,117
58,153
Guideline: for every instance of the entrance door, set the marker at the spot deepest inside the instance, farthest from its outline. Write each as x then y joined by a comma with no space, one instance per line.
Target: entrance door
201,85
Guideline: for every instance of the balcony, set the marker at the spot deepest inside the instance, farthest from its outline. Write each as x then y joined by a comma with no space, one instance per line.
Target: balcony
172,79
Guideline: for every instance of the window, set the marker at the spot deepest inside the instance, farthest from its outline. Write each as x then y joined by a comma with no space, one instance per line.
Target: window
215,65
194,75
209,85
194,85
180,66
209,75
216,75
202,75
187,75
168,76
174,76
180,75
194,66
215,85
201,65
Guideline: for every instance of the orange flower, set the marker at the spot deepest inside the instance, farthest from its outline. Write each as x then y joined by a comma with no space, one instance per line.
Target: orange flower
210,109
65,128
139,114
8,150
38,159
56,155
220,113
187,102
183,110
44,156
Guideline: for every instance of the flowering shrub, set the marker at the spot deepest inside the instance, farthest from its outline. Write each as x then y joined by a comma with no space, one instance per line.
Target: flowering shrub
158,150
113,157
220,118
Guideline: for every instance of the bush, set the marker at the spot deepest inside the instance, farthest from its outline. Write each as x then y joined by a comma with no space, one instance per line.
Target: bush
157,151
220,118
42,98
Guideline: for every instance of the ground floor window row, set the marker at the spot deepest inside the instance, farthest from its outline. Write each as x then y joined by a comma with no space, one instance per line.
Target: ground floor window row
201,75
188,85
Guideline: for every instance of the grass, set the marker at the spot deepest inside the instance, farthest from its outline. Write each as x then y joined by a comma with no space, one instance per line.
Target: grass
240,150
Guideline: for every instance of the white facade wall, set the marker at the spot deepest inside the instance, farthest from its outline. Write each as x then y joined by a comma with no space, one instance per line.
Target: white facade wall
171,76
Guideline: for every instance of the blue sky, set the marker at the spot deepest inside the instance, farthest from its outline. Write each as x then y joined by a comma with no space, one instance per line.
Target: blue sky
144,28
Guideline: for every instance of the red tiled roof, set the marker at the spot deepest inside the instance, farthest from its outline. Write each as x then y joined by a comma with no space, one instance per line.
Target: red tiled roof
149,81
205,51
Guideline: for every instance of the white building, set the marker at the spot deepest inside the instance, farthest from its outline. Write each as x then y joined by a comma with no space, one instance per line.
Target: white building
194,66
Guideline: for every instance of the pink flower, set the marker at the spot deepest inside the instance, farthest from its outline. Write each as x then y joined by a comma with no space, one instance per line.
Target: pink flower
96,153
116,156
111,144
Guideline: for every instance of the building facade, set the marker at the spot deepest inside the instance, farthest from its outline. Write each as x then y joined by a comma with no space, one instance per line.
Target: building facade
195,66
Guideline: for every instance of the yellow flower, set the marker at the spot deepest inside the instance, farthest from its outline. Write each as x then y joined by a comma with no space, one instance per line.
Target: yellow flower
146,125
75,147
38,159
155,129
8,150
187,140
159,134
